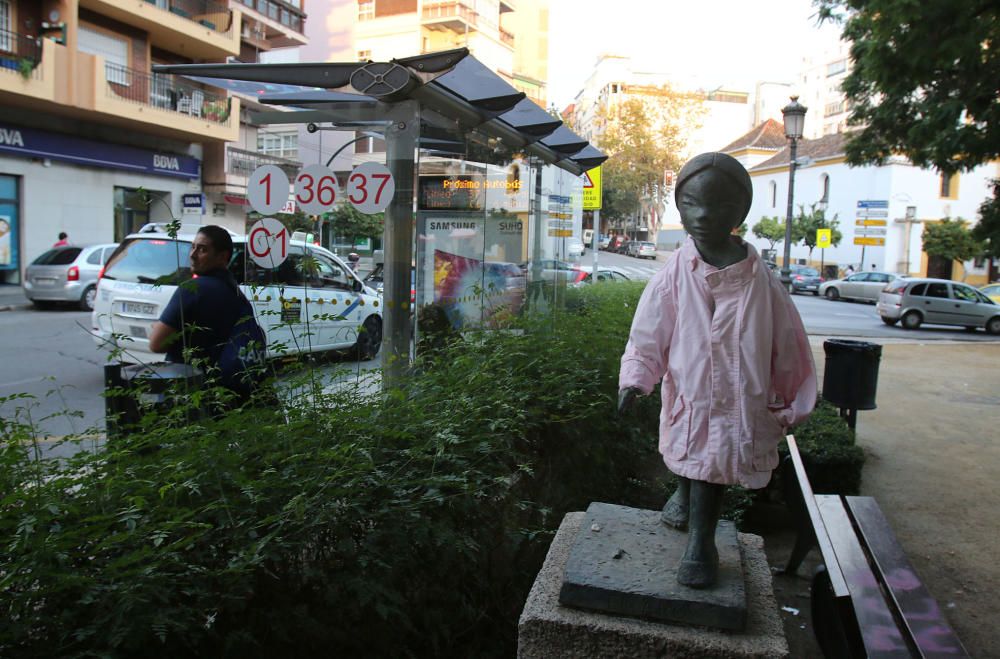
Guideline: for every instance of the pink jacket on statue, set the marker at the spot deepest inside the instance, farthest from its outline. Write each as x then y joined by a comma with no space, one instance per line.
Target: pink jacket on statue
735,363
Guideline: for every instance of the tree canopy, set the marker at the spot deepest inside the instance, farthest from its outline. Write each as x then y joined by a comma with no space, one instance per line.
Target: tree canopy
771,229
805,224
644,136
923,81
987,230
347,221
950,239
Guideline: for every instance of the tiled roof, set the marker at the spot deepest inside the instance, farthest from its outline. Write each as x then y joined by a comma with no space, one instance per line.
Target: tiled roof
828,146
768,135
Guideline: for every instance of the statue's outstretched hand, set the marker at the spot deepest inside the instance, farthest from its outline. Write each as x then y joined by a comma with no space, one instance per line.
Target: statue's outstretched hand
625,398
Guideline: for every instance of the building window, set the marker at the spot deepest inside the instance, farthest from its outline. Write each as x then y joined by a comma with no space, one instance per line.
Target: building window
772,189
366,10
5,24
824,182
364,55
282,145
833,68
949,186
114,51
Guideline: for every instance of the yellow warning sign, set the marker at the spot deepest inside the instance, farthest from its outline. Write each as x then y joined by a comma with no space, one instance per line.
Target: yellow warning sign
823,238
560,233
861,222
592,189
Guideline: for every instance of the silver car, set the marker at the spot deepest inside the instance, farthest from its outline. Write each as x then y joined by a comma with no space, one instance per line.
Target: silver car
937,302
66,274
863,286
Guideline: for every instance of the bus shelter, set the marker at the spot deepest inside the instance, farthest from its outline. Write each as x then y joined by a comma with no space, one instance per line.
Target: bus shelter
487,213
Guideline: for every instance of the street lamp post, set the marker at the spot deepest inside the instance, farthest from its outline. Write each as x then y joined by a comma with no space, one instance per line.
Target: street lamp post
794,115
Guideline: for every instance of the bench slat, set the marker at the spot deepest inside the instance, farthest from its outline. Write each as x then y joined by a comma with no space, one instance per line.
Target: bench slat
837,582
920,612
879,633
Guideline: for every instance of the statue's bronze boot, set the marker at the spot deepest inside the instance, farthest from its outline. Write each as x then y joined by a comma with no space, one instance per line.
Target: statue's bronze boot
676,509
699,568
699,573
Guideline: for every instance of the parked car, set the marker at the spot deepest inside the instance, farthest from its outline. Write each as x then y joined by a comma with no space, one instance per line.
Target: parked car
575,248
863,286
66,274
805,279
312,302
615,243
624,247
992,291
604,274
913,302
642,249
553,270
604,241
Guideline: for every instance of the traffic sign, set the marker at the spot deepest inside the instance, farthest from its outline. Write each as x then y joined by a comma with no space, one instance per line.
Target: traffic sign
267,243
315,189
370,187
873,203
267,189
863,222
871,242
823,238
870,231
592,189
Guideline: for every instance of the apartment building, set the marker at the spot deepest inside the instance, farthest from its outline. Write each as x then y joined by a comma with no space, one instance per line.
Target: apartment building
508,36
96,144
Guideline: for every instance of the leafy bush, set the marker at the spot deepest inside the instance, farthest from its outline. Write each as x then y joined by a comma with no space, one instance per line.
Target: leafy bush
832,460
410,524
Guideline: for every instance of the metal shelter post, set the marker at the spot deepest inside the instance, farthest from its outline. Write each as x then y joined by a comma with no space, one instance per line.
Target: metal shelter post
401,137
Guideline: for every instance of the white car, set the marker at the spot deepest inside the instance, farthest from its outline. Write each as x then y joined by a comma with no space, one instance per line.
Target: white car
575,248
312,302
864,286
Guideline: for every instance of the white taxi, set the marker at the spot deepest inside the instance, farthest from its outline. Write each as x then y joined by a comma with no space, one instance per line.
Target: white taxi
312,302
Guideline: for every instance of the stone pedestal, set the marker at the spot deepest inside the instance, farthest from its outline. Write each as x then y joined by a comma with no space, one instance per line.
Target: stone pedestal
549,630
624,562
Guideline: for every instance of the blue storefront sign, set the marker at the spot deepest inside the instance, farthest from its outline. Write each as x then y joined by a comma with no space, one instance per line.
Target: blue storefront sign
34,143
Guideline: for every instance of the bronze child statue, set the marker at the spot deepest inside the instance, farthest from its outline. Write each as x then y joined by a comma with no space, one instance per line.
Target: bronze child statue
722,333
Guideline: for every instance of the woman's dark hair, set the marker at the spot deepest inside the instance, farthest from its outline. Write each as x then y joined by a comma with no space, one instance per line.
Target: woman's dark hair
63,235
219,237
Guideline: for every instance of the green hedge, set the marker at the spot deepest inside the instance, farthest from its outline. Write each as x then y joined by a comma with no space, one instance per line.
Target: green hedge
353,524
832,460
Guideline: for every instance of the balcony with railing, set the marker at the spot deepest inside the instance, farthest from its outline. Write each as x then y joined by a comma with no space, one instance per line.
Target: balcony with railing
459,17
242,163
200,29
169,102
25,70
278,23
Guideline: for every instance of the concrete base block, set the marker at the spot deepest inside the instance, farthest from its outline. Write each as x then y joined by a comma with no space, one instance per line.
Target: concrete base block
624,562
551,631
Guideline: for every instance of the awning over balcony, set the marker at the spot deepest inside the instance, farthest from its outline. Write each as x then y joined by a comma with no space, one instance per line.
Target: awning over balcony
454,89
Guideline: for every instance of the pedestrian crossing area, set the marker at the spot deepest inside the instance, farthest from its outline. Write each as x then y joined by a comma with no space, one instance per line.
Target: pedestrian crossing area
640,272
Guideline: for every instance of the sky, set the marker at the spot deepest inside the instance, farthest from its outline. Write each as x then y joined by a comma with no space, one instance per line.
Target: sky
704,43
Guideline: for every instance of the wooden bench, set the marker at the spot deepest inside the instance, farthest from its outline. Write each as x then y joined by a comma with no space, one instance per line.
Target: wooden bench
867,600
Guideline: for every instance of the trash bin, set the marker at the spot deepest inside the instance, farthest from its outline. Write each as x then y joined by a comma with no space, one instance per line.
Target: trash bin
130,388
850,377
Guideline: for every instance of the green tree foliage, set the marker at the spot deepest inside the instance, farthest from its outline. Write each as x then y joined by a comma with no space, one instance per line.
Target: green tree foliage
923,81
643,137
987,229
805,224
771,229
347,221
950,239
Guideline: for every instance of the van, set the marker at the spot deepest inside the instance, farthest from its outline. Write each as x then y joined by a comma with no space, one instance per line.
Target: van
312,302
588,237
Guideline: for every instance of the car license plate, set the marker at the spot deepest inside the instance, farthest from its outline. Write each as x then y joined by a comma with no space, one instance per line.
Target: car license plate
137,332
45,281
141,308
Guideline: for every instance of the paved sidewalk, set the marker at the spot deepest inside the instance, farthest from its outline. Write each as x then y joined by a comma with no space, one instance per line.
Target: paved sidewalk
932,465
12,297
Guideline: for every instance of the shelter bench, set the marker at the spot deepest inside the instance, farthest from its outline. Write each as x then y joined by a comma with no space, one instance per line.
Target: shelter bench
867,600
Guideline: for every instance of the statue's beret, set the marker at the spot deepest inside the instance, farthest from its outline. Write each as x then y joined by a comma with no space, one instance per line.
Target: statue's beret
724,163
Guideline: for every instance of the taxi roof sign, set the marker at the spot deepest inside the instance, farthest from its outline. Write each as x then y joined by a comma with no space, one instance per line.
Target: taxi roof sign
592,189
